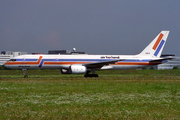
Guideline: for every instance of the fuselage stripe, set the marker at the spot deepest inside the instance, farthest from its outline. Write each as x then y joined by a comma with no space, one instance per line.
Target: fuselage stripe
42,62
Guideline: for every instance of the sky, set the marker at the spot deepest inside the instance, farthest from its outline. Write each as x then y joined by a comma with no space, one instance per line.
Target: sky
114,27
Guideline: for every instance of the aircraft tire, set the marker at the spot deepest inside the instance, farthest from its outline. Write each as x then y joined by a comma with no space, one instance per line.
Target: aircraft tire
86,75
25,76
91,75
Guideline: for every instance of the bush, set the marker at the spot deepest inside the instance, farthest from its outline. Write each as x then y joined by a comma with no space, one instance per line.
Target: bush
151,68
2,67
144,68
175,68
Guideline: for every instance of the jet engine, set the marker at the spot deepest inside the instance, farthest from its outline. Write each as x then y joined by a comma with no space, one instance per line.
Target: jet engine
74,69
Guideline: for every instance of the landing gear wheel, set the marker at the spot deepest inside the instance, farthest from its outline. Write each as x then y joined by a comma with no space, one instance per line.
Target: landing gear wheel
91,75
86,75
96,75
25,76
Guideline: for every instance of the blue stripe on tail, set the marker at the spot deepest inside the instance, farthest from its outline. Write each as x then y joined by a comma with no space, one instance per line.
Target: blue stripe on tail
159,48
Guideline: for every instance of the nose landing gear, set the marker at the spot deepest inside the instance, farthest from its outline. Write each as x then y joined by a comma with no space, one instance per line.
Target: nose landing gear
25,75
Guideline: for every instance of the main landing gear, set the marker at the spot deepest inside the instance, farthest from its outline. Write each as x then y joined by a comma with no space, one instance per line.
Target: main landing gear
25,75
91,75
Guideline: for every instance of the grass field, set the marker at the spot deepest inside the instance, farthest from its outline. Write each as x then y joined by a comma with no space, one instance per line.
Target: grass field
127,94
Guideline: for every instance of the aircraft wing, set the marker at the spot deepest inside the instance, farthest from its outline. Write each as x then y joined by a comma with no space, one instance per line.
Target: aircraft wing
100,64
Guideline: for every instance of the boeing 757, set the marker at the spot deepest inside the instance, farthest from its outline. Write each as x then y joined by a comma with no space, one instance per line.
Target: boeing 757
84,64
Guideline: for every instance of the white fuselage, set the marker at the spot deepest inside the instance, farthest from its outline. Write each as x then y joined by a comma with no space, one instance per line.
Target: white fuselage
76,64
64,61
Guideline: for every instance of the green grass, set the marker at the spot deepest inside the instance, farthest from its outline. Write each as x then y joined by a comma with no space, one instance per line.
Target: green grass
128,94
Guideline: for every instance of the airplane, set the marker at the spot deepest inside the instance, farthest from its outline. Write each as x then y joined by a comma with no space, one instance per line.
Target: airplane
84,63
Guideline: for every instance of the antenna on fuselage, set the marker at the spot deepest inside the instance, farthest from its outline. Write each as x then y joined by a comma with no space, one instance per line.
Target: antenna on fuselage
74,49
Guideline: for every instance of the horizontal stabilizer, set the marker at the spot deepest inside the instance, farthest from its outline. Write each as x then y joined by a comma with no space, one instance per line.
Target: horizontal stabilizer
163,59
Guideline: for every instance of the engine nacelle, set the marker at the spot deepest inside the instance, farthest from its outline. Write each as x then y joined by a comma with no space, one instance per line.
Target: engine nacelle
74,69
78,69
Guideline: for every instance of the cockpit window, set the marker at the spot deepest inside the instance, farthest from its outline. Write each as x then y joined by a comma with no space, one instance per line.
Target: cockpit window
12,60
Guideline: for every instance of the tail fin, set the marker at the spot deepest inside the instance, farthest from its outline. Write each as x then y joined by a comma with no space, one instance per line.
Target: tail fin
154,49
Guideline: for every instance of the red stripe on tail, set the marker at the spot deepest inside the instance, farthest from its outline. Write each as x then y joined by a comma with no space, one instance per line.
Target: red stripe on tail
158,41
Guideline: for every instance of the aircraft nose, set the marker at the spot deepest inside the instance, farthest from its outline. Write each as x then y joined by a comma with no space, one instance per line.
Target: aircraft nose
5,64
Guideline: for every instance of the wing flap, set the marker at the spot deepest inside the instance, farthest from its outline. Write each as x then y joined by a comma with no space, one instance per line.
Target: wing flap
100,64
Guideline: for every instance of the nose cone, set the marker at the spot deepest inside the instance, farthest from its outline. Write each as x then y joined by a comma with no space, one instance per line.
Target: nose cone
6,64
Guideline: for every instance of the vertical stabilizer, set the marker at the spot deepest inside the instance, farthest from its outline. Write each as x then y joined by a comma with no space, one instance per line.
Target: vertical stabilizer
154,49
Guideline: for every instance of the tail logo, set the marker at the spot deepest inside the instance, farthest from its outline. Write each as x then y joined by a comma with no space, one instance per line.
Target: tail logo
158,44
